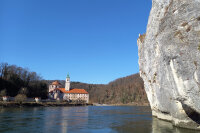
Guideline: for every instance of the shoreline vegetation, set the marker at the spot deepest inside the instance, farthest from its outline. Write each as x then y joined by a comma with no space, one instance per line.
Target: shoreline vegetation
40,104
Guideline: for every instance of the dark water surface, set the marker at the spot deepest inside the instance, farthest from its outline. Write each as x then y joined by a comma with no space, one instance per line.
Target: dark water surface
91,119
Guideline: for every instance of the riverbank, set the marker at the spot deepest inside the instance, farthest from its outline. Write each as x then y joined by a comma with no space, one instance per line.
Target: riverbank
121,104
38,104
131,104
57,104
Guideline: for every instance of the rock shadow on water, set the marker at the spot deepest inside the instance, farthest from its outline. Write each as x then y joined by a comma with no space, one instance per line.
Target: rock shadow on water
156,126
160,126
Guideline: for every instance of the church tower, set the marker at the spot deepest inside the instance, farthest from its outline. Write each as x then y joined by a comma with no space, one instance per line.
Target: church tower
67,83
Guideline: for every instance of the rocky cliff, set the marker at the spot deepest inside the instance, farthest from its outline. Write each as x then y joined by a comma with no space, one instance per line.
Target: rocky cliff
169,59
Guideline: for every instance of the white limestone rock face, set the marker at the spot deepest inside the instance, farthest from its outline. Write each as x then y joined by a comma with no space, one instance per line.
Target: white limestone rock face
169,60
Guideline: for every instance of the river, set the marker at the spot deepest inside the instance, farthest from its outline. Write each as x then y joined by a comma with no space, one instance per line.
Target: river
87,119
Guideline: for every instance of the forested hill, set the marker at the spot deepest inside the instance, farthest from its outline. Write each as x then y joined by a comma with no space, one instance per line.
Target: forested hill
124,90
16,80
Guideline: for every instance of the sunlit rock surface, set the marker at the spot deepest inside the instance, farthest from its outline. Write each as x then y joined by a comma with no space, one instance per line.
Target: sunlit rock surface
169,60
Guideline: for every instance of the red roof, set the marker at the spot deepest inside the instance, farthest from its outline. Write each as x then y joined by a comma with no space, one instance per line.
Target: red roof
74,91
55,83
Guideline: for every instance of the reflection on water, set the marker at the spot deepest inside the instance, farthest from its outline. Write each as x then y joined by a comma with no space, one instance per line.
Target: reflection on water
65,119
92,119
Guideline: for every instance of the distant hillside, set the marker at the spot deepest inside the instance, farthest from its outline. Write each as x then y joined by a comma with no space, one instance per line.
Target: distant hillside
120,91
16,80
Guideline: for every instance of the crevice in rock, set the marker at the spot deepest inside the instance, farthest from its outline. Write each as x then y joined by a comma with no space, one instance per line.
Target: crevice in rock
191,113
198,18
165,112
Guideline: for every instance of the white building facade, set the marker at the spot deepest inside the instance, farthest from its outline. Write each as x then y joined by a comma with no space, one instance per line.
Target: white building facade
68,94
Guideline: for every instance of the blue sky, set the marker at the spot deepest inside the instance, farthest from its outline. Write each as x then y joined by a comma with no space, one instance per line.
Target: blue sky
94,40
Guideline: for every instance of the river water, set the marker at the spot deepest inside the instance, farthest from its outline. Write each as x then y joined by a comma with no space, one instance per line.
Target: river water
88,119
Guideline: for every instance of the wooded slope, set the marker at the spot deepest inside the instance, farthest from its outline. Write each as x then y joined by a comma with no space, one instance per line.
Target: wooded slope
120,91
